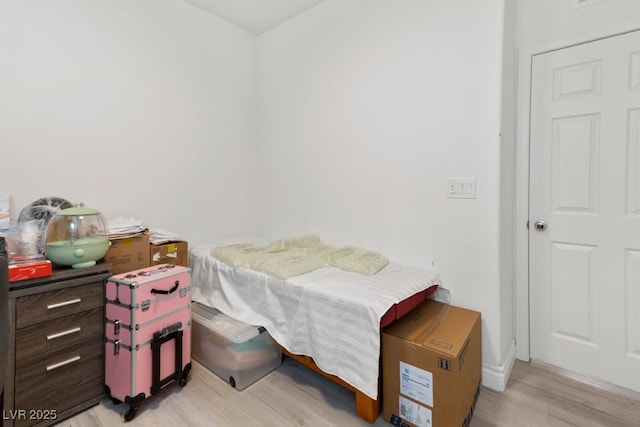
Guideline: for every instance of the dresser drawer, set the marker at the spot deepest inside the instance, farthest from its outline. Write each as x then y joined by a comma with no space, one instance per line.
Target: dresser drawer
48,306
62,380
58,333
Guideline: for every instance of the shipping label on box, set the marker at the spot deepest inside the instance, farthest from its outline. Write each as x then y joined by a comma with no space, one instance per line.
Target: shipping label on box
414,413
416,383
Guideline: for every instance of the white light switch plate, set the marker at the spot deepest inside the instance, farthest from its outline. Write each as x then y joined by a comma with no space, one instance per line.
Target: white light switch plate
461,188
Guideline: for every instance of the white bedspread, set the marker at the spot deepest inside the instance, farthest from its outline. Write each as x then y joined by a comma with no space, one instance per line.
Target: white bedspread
329,314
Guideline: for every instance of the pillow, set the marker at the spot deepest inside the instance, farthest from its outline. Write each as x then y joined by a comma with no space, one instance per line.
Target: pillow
291,264
227,253
252,256
245,254
302,241
333,257
322,250
362,261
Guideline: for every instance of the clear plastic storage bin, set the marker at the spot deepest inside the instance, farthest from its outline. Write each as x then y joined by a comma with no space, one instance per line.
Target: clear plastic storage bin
238,353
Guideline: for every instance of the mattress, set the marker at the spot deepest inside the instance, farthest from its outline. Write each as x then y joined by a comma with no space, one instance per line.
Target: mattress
331,315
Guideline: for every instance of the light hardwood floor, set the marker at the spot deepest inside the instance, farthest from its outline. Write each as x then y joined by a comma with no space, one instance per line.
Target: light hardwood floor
537,395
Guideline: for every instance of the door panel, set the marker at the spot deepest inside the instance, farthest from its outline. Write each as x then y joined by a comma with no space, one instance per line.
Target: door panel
575,144
585,185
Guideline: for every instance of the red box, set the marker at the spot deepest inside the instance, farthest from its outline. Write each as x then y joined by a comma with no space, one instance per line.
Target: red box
30,270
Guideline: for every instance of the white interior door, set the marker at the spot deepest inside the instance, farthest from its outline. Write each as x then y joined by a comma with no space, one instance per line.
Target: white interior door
584,212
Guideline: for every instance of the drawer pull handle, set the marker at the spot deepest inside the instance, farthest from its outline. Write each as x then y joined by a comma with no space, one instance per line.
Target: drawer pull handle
63,363
63,304
63,333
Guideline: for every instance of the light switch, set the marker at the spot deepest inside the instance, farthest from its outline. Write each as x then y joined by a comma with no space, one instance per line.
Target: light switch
461,188
451,187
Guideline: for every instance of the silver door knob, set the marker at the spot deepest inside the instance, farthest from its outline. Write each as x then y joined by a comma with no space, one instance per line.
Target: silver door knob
540,225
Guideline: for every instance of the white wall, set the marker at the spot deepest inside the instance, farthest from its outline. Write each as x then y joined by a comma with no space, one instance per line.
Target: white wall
508,224
365,108
545,21
137,108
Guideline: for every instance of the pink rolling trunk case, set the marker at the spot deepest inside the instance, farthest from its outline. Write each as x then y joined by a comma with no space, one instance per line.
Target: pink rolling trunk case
147,333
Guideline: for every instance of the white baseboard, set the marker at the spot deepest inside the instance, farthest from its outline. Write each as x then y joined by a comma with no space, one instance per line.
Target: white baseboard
496,377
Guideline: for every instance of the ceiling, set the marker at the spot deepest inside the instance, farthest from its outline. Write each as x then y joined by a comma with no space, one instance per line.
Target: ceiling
256,16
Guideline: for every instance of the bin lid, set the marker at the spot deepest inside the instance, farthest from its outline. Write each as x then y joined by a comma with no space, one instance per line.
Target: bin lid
230,328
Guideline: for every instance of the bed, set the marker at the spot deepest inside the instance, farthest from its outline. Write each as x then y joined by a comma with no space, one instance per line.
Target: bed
328,319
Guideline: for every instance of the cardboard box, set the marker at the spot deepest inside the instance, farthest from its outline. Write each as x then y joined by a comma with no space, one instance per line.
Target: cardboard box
431,365
30,270
176,253
128,254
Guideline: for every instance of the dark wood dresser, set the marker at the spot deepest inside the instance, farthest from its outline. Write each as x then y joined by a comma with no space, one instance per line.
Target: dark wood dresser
56,347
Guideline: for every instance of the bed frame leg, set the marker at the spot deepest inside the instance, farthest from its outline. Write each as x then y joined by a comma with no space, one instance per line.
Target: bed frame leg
367,408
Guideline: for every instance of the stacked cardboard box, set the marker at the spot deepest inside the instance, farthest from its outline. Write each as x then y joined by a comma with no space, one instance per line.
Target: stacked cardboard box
176,253
128,253
431,364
